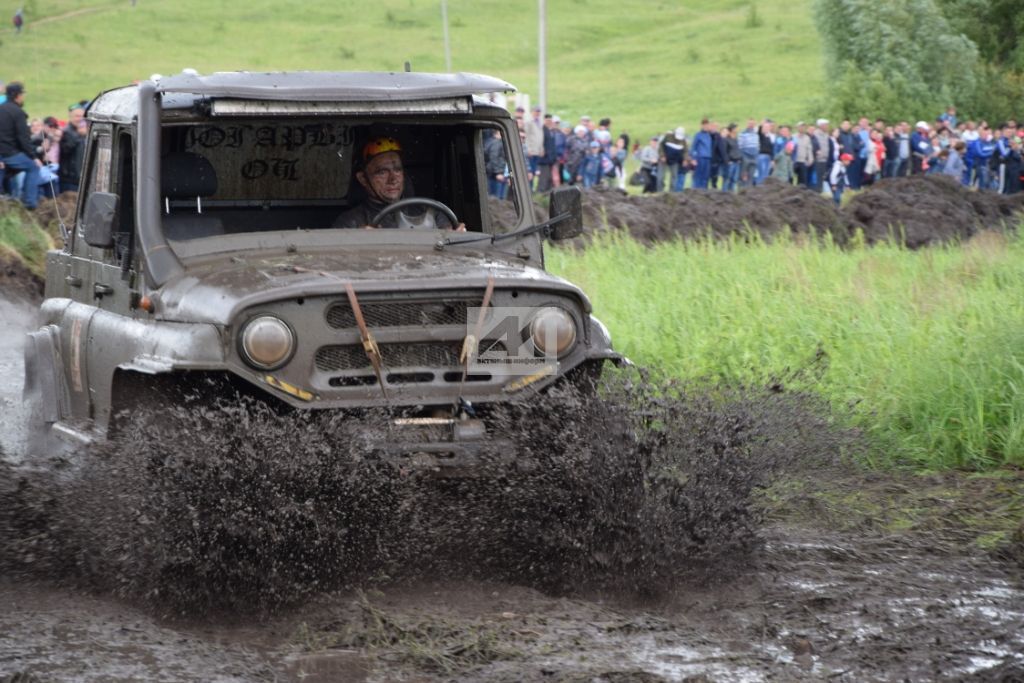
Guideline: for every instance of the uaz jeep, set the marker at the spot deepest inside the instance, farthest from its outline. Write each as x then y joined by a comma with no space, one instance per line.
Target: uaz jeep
204,248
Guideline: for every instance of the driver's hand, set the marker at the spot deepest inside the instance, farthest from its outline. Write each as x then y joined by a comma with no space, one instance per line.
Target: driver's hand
369,227
461,227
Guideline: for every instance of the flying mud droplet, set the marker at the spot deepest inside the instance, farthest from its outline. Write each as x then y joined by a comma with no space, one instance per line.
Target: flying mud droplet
238,507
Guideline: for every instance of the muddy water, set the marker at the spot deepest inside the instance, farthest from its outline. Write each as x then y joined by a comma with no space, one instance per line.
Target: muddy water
801,604
814,607
16,318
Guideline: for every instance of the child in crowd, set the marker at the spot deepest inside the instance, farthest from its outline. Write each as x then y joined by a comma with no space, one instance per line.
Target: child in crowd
783,169
591,168
837,178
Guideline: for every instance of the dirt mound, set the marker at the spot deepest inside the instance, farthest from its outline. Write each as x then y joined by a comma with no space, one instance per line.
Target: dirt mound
51,212
767,210
922,210
16,280
228,510
926,210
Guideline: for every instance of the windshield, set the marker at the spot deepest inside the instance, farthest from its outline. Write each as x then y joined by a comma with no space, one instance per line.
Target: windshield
249,176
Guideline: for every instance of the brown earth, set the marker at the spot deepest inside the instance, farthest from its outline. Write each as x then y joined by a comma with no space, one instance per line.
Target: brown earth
925,210
919,210
50,213
17,281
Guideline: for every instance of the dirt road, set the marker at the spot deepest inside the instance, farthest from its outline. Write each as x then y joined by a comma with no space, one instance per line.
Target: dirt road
813,603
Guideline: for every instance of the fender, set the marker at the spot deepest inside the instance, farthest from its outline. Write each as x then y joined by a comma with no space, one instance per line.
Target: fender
45,383
600,346
117,343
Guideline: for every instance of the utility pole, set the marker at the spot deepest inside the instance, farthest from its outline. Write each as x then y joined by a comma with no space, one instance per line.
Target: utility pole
447,43
542,95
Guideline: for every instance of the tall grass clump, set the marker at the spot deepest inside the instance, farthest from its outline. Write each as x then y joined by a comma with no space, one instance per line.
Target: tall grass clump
926,348
22,238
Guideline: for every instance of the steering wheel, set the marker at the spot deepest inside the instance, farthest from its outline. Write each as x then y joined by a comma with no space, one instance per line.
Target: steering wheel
414,201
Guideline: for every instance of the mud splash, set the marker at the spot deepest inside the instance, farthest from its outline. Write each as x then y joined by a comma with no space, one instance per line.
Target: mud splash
239,508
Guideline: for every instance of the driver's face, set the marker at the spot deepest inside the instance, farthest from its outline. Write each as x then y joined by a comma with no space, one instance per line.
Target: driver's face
384,177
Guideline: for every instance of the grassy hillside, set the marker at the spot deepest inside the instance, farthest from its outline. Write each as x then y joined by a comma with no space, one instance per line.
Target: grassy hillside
650,65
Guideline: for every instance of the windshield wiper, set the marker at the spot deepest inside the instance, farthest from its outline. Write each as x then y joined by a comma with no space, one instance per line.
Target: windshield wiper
544,227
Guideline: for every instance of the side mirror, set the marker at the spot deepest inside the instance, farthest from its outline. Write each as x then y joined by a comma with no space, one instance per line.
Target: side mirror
100,220
566,200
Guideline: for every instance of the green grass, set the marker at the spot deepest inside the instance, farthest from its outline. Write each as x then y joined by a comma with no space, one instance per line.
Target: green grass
925,348
649,65
22,238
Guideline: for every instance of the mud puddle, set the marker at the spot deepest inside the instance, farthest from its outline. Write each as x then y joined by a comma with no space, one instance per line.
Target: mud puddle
814,606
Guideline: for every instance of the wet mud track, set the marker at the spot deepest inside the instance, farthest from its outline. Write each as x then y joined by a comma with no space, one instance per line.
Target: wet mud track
808,603
813,606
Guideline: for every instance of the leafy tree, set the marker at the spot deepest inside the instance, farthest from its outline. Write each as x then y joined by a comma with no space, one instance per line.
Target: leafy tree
995,26
899,54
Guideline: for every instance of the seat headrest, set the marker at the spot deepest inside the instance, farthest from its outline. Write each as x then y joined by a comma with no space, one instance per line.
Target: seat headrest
186,175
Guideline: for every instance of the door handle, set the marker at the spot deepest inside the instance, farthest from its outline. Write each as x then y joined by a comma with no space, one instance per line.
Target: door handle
73,281
102,290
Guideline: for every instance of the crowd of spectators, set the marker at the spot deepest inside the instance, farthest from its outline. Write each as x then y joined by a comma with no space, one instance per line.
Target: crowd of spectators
39,157
556,154
817,155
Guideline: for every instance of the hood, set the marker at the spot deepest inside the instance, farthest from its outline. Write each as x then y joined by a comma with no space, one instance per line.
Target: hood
217,289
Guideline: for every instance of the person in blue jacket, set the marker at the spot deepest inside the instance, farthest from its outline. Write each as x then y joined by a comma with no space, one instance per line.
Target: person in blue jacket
979,156
700,151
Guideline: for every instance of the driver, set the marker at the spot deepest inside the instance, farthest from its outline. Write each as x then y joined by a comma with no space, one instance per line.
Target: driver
383,178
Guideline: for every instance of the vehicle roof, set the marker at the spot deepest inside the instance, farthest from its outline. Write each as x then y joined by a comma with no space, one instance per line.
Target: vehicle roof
183,89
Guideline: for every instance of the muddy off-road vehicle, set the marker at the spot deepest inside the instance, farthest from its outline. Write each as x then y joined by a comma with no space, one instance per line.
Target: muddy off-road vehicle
203,259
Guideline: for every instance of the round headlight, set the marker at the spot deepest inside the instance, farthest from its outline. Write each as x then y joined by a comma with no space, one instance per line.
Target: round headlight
553,331
267,342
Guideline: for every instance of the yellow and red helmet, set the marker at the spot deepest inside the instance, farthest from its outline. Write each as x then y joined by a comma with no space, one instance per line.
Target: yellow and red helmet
378,146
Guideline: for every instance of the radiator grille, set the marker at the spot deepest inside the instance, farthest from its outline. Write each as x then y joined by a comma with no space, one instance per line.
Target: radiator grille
397,314
434,355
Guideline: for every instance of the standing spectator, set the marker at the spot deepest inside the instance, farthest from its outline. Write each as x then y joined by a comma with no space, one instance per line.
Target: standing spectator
591,169
718,162
1013,167
750,145
672,162
892,152
783,164
495,164
575,151
969,133
534,127
16,151
701,151
765,151
903,153
1002,154
803,155
920,148
783,137
849,141
18,20
648,157
860,160
732,156
73,150
546,163
822,154
874,159
619,154
979,156
954,165
558,172
837,180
